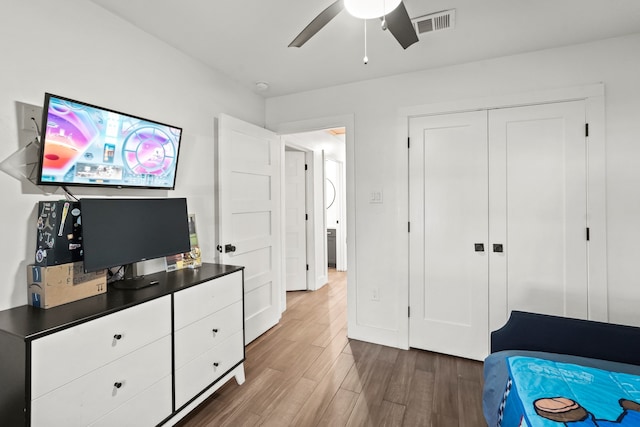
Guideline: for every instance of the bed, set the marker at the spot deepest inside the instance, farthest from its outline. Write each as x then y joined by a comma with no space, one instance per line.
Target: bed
550,371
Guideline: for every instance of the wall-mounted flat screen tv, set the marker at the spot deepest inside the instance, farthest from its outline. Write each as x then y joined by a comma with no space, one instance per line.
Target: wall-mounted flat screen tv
87,145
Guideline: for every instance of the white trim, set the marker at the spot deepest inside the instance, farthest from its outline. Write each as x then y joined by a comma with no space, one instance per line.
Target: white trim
596,180
283,228
311,237
341,246
506,101
597,209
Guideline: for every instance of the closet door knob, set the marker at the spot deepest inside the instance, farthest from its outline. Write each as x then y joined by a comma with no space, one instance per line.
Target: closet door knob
498,247
117,384
478,247
216,364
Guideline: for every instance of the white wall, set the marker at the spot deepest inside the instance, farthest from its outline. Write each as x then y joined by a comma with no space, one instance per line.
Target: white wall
76,49
379,163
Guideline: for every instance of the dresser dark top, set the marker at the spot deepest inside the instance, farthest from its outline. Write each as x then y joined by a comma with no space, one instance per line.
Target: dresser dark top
30,323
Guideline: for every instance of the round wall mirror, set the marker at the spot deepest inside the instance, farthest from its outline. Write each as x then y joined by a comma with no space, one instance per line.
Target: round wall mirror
330,192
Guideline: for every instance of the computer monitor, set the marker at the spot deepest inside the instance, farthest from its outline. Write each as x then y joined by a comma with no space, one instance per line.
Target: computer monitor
121,232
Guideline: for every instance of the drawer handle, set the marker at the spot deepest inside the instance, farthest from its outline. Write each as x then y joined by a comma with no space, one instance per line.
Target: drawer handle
116,386
116,338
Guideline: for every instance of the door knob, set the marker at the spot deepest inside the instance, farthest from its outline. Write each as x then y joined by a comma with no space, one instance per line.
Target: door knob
478,247
497,247
229,248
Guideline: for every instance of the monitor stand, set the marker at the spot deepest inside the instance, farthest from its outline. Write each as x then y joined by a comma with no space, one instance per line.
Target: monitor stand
131,280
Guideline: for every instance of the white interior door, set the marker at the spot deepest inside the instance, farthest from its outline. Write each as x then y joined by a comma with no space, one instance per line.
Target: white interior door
295,220
538,199
249,217
448,237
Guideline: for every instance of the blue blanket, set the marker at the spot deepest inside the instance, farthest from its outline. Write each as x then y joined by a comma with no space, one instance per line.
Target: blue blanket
598,395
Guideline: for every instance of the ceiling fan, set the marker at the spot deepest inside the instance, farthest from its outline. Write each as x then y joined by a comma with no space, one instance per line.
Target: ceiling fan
393,14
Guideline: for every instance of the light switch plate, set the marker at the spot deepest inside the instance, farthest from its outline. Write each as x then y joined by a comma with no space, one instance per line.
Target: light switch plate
375,196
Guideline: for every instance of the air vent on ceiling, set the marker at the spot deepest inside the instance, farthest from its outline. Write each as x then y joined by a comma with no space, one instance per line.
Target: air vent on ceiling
435,21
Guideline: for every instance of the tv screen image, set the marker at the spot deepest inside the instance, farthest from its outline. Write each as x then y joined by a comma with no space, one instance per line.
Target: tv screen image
119,232
83,144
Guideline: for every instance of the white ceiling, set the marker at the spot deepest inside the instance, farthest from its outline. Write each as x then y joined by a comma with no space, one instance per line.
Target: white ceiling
247,39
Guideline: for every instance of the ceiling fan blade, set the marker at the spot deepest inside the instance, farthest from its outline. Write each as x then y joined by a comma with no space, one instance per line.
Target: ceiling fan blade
400,25
316,25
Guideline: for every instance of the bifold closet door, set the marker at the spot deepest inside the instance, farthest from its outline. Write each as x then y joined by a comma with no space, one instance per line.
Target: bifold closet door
537,205
498,216
448,238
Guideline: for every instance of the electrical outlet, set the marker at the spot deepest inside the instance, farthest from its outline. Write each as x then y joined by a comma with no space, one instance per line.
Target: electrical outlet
28,111
375,294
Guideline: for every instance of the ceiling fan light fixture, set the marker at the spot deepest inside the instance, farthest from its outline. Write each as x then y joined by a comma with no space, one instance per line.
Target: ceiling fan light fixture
369,9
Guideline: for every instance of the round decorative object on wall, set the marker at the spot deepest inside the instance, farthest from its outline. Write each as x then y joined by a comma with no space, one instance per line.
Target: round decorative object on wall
330,192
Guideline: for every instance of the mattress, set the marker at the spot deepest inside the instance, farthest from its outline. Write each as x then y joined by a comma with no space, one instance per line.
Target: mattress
534,389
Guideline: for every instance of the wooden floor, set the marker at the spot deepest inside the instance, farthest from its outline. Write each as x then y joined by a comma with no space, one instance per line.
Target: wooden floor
305,372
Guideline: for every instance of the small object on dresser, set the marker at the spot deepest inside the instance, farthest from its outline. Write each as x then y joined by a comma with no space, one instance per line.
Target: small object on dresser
59,233
60,284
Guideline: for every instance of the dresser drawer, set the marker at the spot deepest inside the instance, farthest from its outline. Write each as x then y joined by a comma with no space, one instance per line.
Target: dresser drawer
148,408
64,356
204,334
199,301
94,395
198,374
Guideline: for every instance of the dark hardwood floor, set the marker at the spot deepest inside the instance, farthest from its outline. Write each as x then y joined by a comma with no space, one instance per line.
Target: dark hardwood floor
305,372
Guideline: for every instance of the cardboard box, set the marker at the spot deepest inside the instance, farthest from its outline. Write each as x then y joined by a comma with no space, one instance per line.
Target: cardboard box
61,284
59,233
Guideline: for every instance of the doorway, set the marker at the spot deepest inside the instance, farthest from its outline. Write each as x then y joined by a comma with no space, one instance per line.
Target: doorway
325,201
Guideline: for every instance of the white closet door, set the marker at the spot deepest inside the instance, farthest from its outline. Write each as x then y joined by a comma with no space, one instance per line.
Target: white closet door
295,220
537,181
513,179
449,216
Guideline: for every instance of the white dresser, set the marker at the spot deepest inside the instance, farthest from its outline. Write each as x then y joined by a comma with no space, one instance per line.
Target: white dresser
128,358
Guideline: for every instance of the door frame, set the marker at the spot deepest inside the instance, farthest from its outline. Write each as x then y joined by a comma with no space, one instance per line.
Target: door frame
593,95
341,262
318,274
